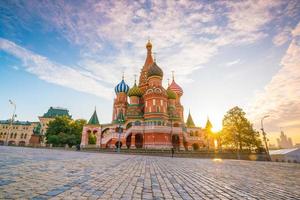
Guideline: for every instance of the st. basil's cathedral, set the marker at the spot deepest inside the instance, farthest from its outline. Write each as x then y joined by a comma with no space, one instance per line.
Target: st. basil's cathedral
152,119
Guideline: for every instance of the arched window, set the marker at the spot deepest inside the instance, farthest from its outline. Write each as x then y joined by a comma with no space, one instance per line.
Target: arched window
191,133
25,136
15,136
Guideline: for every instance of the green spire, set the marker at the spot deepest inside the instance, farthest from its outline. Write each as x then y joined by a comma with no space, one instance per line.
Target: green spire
56,112
94,119
208,125
190,122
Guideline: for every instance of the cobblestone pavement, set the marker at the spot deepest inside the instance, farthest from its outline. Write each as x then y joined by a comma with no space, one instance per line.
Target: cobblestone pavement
27,173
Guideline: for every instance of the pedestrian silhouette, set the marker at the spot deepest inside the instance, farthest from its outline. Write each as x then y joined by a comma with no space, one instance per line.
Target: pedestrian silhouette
172,150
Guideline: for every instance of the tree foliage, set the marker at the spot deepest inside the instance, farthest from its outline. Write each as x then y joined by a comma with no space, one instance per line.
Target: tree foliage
238,132
64,130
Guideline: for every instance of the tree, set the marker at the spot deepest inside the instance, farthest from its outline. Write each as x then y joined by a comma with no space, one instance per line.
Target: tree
63,130
238,132
208,133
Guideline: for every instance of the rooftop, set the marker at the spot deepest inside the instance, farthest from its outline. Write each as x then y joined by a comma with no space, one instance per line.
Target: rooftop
15,122
56,112
282,151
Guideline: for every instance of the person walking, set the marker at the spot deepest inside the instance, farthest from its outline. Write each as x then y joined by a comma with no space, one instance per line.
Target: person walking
172,150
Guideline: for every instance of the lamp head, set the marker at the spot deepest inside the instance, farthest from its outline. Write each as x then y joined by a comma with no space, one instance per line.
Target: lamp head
266,116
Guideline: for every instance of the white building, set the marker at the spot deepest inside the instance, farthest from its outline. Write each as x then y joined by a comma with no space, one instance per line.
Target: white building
284,141
286,155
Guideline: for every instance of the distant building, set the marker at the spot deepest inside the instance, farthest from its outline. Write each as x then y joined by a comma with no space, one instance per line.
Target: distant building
284,142
17,133
286,155
23,133
50,115
297,145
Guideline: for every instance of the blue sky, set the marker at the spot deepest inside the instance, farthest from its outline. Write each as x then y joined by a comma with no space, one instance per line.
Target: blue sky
72,53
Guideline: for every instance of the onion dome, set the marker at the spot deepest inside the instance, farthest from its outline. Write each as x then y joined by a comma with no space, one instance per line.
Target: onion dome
135,91
175,87
122,87
155,70
171,94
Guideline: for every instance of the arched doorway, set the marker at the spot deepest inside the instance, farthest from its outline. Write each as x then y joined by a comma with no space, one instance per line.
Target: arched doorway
11,143
139,141
128,141
91,136
1,142
22,143
195,146
175,141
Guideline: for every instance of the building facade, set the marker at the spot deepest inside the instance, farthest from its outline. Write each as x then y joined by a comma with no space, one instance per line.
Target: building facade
16,133
284,142
147,115
24,133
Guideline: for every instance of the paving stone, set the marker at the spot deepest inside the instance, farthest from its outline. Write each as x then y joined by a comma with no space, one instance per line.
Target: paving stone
27,173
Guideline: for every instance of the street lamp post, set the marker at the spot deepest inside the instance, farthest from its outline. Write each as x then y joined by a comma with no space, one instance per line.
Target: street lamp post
237,145
11,121
119,136
171,134
265,138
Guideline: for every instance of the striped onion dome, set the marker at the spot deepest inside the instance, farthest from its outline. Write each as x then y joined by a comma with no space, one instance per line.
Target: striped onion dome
175,88
155,70
171,94
135,91
121,87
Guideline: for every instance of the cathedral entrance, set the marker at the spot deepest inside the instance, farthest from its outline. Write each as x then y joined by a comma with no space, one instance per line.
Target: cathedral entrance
128,141
175,141
139,141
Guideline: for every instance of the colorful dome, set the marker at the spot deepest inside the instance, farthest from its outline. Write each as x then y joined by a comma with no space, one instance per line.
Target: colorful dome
155,70
135,91
122,87
176,88
171,94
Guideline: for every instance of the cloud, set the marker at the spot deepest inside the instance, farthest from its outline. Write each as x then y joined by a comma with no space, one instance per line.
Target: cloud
281,96
15,67
54,72
282,37
234,62
186,34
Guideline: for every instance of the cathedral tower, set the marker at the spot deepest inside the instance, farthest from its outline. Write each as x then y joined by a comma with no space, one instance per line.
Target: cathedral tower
120,102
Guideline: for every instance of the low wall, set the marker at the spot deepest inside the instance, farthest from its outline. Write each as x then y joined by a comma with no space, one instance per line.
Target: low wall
185,154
